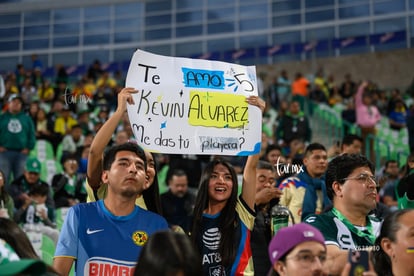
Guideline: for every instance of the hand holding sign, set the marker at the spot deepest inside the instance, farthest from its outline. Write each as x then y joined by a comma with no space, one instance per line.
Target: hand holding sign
183,106
124,97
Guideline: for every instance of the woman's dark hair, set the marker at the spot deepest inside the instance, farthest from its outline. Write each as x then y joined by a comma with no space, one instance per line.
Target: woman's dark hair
4,195
11,233
341,167
227,219
404,186
167,253
152,194
273,272
407,168
390,226
14,236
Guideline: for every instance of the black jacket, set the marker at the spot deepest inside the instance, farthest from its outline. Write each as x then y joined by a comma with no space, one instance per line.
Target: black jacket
178,210
61,196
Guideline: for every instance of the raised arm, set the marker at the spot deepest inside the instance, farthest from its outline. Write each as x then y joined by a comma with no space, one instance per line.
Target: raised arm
249,173
249,180
103,137
358,95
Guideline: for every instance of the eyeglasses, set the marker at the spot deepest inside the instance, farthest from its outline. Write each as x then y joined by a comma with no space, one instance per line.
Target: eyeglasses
308,258
364,178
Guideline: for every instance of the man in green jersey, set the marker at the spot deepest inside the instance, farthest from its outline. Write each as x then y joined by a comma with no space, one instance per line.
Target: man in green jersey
351,186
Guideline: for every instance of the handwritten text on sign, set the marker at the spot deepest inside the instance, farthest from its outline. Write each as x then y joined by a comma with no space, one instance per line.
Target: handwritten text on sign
189,106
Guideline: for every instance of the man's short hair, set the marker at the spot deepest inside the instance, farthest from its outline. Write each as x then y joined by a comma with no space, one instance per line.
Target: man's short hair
76,126
110,154
39,189
341,167
392,161
314,146
265,165
176,172
69,156
350,138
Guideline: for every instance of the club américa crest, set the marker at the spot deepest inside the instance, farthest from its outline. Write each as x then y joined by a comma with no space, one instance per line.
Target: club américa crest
140,238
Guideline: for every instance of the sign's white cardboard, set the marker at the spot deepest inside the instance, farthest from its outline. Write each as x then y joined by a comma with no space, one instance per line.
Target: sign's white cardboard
192,106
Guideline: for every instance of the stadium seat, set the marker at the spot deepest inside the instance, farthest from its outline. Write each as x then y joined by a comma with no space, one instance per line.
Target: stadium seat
46,257
60,216
41,243
43,150
59,153
50,167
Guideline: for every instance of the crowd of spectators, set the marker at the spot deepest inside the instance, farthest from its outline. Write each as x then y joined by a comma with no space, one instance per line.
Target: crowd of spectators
68,113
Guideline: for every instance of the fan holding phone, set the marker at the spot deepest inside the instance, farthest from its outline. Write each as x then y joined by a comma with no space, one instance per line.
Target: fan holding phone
359,262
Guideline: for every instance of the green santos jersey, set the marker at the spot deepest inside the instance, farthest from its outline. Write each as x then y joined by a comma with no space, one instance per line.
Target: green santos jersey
337,230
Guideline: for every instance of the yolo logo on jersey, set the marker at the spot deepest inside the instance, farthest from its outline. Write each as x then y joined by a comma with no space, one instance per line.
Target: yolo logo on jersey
140,237
105,266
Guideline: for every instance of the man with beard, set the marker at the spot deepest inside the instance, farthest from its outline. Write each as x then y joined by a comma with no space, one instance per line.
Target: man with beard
178,203
106,236
351,186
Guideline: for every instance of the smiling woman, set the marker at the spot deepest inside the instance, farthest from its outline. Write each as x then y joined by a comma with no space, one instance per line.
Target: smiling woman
222,221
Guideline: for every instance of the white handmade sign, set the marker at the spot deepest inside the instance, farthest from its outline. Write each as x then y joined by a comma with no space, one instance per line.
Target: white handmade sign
191,106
